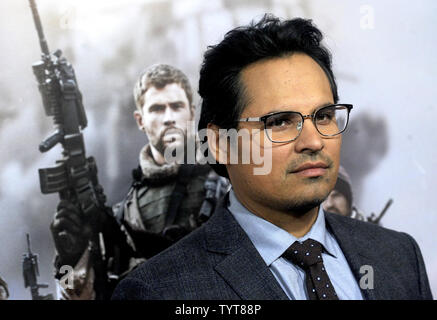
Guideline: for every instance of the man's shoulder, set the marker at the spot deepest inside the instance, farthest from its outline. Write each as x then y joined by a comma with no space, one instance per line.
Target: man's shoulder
360,226
395,255
200,173
372,233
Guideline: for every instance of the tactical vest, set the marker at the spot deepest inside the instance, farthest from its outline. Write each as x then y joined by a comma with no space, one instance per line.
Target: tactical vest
144,213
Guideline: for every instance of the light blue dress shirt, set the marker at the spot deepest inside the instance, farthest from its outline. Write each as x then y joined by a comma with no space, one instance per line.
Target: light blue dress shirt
272,241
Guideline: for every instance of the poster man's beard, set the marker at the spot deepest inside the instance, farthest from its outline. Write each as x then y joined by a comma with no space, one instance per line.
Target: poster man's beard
160,145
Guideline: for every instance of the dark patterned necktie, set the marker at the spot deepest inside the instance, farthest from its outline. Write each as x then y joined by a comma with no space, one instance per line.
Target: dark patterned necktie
308,256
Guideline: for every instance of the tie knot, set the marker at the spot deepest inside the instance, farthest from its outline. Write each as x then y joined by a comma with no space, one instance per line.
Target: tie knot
304,254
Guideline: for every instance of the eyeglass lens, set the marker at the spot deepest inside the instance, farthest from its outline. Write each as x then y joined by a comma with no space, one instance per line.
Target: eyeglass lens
286,126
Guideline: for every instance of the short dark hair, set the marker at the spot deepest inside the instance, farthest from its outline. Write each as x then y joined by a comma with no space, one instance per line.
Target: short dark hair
160,75
220,87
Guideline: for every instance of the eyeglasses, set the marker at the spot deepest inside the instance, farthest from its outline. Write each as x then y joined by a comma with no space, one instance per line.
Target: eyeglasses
286,126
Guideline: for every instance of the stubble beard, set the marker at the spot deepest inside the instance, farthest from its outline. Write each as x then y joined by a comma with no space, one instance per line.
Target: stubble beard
301,206
298,206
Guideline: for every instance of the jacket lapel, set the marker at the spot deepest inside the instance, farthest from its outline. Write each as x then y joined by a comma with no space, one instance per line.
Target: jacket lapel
237,261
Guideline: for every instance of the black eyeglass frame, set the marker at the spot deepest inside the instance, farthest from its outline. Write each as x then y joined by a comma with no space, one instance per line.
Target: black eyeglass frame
308,116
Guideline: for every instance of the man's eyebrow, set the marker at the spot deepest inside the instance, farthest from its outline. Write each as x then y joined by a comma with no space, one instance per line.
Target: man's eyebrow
322,105
177,102
156,105
314,109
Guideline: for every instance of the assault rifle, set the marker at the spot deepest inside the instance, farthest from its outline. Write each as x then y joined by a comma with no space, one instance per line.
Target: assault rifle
373,218
31,272
74,176
376,218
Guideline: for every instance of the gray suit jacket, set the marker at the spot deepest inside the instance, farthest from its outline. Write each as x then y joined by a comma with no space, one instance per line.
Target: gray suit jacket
218,261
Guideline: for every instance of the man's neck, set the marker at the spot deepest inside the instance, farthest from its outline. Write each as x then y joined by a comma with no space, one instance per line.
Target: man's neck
296,224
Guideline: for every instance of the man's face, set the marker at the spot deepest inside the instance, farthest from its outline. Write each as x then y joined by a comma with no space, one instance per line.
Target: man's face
164,116
292,83
336,202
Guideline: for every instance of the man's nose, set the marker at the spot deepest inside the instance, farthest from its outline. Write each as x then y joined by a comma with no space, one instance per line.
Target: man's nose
309,140
169,118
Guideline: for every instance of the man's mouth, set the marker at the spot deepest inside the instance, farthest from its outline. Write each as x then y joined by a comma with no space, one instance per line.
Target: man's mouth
311,169
170,135
172,131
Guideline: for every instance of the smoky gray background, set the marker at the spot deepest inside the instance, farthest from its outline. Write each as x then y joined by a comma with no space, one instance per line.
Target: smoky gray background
387,71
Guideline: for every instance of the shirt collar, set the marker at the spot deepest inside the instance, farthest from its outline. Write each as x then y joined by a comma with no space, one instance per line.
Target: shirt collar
270,240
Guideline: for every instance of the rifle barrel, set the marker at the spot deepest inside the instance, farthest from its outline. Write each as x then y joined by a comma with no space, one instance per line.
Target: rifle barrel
38,25
28,243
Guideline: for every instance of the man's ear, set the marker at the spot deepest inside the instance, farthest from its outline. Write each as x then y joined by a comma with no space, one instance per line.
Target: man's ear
138,116
213,134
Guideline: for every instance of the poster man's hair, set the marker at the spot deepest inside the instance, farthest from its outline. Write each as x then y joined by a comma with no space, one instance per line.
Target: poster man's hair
158,76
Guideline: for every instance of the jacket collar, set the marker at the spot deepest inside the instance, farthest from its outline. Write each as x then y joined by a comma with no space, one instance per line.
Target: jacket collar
242,267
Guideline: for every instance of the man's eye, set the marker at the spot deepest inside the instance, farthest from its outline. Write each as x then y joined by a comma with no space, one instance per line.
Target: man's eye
280,121
177,105
157,108
325,116
277,123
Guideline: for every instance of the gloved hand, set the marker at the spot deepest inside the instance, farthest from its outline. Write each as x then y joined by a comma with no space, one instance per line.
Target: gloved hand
70,233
